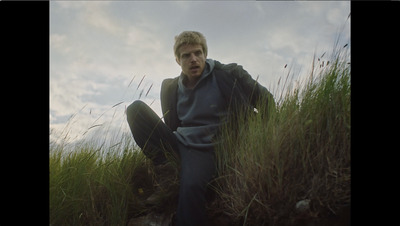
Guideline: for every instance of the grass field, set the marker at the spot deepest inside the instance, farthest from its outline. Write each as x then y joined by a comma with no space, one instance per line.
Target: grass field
299,151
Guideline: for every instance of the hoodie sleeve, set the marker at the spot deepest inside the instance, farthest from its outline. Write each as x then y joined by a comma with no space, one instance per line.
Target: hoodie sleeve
253,90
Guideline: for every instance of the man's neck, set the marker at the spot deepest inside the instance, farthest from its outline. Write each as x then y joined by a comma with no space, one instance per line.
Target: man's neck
190,83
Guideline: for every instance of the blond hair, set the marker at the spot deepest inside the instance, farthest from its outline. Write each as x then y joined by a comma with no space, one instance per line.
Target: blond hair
191,38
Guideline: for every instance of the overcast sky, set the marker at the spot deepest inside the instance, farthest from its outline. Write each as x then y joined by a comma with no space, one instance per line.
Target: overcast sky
101,50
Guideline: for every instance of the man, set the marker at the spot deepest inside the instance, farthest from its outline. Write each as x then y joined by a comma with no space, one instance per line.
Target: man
195,104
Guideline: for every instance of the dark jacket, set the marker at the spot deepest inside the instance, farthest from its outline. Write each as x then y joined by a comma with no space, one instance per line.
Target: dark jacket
237,87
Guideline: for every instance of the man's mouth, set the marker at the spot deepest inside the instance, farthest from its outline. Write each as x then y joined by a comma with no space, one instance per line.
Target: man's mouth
194,69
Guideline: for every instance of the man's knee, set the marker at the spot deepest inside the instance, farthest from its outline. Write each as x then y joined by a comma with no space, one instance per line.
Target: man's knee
136,108
133,108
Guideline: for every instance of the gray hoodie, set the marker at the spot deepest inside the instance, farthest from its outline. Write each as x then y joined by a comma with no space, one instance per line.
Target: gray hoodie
201,110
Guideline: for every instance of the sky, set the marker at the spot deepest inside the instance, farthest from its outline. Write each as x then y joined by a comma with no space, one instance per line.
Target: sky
106,54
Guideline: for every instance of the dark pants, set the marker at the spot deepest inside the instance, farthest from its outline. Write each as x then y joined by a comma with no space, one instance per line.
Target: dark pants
197,166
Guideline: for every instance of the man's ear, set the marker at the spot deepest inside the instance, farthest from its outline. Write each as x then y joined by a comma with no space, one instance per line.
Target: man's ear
177,61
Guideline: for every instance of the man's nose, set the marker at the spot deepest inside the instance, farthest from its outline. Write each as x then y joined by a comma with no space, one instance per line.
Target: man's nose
193,57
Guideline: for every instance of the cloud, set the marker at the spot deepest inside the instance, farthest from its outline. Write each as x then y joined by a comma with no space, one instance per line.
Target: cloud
97,16
96,48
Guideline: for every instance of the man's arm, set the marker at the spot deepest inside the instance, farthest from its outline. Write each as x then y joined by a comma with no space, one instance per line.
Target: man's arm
256,93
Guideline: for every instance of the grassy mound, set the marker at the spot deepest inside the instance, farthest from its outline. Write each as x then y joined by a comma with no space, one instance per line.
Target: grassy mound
266,164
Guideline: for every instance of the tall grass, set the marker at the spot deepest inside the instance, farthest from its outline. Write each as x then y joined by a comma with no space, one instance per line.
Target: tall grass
88,187
98,181
300,151
266,164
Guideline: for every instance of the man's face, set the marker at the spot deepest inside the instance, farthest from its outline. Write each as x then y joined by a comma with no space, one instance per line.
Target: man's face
192,61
